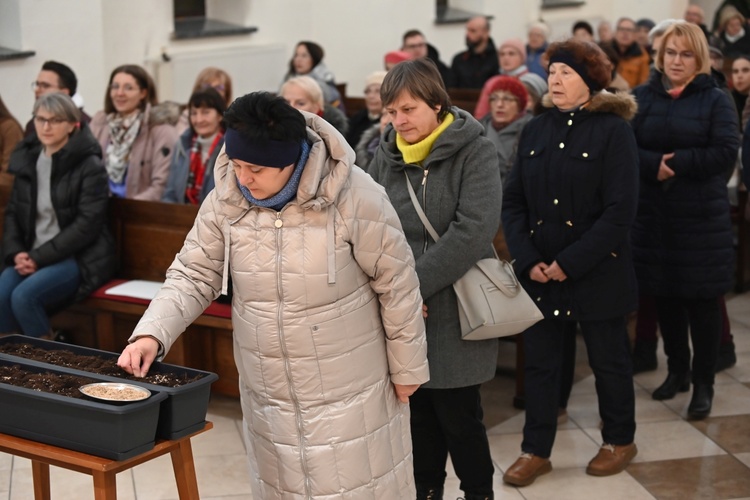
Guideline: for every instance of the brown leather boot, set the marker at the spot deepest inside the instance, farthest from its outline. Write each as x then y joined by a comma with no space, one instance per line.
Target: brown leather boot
611,459
526,469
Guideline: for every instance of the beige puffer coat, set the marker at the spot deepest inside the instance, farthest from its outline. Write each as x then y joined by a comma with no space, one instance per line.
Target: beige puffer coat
327,315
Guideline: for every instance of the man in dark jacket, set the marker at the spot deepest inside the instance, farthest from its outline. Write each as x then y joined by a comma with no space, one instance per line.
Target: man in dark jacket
474,66
415,44
54,77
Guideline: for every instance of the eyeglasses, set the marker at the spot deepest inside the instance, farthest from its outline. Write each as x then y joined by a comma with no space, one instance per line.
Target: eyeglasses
505,99
625,30
413,46
43,86
670,53
48,121
126,88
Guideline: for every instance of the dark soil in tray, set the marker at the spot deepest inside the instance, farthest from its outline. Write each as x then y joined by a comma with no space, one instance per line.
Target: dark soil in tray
55,383
93,364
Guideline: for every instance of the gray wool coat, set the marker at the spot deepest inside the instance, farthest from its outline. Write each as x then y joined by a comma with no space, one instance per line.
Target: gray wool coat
462,198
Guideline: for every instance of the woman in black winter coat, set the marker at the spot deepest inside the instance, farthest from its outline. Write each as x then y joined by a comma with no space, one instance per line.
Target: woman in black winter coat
568,208
687,134
56,247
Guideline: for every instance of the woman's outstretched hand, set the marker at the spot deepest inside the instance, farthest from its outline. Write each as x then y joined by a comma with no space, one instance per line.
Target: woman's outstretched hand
136,358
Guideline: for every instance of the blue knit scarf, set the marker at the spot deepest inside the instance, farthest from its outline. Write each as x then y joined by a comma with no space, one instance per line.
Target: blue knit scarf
288,192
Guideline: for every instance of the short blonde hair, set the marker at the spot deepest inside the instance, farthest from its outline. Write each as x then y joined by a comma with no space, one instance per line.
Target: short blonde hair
310,86
696,42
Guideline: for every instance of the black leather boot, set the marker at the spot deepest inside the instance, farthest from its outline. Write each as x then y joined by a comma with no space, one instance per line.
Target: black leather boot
700,403
644,356
675,382
429,493
727,357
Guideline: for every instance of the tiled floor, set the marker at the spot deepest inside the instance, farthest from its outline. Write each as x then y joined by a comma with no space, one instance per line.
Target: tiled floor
677,459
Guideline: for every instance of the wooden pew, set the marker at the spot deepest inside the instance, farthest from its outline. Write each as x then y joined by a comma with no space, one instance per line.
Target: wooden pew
6,184
465,99
148,235
741,228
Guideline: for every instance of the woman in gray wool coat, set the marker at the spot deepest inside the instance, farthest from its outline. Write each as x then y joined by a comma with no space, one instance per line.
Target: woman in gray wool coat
461,197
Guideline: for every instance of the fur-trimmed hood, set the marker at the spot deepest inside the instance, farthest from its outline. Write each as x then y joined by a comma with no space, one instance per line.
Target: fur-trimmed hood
621,104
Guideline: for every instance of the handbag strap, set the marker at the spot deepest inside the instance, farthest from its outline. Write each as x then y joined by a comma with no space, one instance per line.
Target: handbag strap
419,210
423,217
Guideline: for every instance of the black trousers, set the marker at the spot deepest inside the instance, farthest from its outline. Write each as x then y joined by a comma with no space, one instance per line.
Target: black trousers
447,421
609,357
704,320
568,363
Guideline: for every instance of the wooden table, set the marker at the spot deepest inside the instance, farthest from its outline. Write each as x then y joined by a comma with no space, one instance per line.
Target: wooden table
103,470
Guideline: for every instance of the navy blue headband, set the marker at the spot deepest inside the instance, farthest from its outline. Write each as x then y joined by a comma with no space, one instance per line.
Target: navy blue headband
566,57
278,154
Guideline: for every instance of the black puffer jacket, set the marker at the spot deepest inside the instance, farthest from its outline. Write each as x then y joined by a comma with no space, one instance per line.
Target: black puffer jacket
682,237
80,196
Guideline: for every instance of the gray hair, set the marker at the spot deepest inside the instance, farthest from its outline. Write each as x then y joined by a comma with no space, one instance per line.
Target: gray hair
541,27
660,29
60,105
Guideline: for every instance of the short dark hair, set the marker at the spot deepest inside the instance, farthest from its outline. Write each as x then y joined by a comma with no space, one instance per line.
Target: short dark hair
645,23
142,78
625,19
583,25
207,98
67,78
316,54
421,79
263,117
410,34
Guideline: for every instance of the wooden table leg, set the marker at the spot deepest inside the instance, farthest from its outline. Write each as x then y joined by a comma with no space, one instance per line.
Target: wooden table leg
40,473
105,485
184,471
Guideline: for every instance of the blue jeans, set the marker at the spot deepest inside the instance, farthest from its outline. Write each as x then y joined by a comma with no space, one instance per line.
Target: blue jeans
24,299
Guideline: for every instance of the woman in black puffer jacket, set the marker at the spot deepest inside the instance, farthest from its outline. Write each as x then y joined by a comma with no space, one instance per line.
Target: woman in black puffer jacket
56,246
688,136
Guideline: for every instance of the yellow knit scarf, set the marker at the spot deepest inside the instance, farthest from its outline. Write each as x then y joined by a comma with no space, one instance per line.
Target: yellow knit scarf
416,153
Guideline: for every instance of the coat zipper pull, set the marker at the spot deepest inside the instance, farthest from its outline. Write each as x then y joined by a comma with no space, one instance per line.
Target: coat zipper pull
424,176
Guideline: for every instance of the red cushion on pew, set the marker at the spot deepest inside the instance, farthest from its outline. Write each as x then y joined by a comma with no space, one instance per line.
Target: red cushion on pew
215,309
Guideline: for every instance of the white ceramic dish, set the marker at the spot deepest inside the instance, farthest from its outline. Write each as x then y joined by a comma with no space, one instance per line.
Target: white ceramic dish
115,392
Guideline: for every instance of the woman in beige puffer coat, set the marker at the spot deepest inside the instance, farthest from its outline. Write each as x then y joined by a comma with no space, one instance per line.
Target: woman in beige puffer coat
327,318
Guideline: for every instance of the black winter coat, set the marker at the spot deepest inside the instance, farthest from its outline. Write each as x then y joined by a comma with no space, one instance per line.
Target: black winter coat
682,237
470,70
80,195
571,197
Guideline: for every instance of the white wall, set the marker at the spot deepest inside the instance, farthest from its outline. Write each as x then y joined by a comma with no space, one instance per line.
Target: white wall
94,36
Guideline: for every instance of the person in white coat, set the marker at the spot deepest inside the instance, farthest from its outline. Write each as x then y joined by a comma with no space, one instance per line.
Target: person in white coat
329,337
